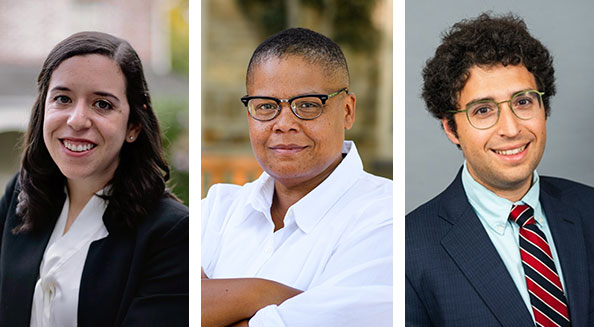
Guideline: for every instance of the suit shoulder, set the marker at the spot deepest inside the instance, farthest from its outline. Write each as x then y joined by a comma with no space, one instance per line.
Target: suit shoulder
12,185
171,207
168,216
564,187
425,211
423,225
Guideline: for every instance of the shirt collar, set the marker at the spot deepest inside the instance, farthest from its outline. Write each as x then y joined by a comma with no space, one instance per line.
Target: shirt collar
308,211
494,210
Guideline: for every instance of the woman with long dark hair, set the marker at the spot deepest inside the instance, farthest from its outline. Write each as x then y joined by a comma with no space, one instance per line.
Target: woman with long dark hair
90,235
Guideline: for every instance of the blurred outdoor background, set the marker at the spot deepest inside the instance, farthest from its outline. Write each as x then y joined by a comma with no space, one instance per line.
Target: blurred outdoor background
156,29
231,31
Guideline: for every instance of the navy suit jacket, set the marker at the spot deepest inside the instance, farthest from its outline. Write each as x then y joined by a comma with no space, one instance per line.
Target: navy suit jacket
455,276
130,278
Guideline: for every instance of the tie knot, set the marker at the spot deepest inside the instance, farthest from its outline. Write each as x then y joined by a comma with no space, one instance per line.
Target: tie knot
522,214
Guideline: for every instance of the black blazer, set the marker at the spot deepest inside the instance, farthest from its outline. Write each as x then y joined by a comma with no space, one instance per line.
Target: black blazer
130,278
455,276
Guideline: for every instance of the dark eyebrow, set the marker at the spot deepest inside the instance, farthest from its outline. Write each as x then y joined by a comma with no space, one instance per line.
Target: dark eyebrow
99,93
60,88
108,95
480,99
491,98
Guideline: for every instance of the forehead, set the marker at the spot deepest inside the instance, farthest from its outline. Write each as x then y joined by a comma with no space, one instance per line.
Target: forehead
289,76
91,68
496,82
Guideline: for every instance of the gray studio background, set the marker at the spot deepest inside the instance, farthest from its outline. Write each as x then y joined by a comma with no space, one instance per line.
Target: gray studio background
566,28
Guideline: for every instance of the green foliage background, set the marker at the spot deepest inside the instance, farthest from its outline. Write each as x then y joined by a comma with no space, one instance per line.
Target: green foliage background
173,111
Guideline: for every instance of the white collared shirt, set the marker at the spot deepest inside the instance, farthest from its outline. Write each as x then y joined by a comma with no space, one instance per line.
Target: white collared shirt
55,300
336,246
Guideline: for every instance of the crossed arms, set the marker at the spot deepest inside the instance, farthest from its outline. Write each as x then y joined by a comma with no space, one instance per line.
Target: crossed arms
228,302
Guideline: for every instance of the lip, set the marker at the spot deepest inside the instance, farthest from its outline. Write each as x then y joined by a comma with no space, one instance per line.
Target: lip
514,153
84,145
287,148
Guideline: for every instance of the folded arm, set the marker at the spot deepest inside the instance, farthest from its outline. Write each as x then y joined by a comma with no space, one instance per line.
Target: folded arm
227,301
355,288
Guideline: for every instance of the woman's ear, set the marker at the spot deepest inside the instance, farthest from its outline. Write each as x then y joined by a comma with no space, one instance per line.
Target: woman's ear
133,131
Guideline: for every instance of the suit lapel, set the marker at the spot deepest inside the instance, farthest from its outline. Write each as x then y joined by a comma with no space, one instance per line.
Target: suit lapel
470,247
569,243
106,274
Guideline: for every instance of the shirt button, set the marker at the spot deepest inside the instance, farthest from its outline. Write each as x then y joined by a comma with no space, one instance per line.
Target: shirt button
500,228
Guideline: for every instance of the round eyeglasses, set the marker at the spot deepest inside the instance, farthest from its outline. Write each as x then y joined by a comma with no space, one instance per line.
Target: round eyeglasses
484,114
307,106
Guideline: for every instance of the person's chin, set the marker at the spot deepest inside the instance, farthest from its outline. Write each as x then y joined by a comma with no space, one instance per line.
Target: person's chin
290,172
74,173
513,178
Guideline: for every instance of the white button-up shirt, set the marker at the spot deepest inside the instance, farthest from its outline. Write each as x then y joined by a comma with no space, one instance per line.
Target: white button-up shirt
336,246
55,300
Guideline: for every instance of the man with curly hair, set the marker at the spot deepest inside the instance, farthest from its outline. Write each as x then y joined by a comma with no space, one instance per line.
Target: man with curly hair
501,246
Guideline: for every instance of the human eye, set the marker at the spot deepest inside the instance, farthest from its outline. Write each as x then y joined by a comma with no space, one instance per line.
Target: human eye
62,99
525,100
482,110
266,106
308,104
103,105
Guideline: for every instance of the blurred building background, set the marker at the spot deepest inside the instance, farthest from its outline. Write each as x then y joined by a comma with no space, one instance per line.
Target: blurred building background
156,29
231,31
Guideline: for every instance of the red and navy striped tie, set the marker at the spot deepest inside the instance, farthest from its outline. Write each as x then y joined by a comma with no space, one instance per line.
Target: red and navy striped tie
546,292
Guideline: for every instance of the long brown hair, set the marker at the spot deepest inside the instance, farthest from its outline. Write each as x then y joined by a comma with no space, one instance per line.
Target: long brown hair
138,182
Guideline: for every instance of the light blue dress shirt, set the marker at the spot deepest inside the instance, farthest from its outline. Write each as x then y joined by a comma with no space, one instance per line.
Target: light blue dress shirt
493,212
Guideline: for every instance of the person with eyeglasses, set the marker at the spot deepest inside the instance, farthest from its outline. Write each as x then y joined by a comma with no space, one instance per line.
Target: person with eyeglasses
502,245
309,243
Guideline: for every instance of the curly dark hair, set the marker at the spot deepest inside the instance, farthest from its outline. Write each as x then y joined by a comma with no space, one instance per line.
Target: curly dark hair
313,47
139,180
483,41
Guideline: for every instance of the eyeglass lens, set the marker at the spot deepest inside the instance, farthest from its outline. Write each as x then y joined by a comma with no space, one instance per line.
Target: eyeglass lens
484,114
266,109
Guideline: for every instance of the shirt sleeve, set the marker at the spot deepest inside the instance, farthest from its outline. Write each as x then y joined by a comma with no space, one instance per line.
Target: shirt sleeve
214,209
355,288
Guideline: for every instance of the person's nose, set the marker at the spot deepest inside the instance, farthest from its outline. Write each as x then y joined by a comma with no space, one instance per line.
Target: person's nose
508,125
286,120
79,117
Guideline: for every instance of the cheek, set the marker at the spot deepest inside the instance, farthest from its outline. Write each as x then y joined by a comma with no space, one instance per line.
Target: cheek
117,125
472,141
257,132
50,124
542,128
120,132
